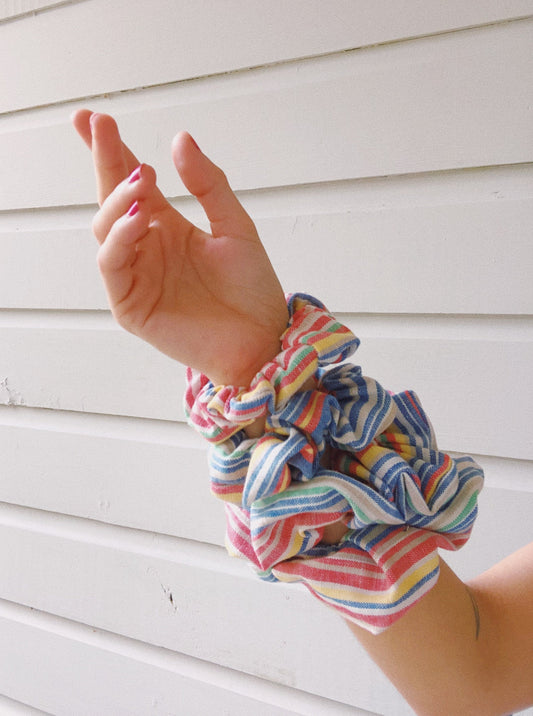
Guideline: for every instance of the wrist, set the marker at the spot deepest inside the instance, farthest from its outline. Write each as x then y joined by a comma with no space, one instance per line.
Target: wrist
240,371
311,339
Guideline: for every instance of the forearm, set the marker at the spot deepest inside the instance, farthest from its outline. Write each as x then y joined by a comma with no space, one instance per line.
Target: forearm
446,659
432,655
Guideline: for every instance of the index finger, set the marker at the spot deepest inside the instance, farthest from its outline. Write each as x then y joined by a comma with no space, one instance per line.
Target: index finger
86,124
110,163
81,119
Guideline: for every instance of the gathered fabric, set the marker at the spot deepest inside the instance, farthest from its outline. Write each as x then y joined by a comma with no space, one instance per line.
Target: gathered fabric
337,448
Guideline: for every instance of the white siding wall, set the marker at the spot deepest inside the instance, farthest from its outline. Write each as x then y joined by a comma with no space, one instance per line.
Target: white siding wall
385,150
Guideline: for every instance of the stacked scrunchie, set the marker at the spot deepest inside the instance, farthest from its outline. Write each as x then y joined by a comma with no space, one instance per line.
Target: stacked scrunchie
343,450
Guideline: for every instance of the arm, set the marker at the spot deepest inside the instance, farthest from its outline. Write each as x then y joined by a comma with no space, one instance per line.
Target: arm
432,654
214,302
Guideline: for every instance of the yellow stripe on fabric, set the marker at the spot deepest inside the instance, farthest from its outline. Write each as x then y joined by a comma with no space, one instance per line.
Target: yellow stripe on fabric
287,391
311,411
372,455
399,553
398,589
235,498
264,386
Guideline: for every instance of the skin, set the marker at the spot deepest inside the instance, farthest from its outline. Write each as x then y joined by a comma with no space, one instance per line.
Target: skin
432,654
213,301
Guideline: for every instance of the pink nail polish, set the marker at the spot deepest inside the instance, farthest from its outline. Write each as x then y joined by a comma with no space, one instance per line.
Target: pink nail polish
134,208
135,175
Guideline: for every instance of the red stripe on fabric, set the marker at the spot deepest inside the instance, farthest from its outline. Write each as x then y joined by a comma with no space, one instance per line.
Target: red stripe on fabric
382,553
232,489
380,623
282,532
437,475
241,543
309,570
280,539
413,403
339,572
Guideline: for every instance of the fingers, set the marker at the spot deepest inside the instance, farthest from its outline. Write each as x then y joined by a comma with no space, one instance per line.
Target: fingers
138,186
118,254
113,160
209,185
108,156
81,122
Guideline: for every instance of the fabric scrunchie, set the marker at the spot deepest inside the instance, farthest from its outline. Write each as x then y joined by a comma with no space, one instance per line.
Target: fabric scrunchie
345,450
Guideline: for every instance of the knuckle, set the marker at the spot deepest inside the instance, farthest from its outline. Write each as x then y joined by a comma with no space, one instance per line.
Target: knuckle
220,176
102,259
97,227
149,173
216,182
126,320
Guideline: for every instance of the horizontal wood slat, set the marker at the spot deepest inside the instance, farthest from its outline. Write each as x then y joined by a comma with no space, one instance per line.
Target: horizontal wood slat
9,707
447,258
148,475
10,9
113,35
472,378
391,110
101,673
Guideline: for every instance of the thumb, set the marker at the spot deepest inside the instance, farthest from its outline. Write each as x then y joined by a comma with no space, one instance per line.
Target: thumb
209,185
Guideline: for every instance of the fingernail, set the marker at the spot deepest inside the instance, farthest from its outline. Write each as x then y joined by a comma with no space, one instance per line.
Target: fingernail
134,208
93,116
135,175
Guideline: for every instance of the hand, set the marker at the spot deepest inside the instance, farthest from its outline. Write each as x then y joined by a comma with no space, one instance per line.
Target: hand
211,301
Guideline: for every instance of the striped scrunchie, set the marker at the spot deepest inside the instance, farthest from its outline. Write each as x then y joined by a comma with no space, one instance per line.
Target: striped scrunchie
345,450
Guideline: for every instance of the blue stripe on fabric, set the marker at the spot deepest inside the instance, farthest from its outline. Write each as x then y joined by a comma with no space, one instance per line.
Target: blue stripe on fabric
390,605
331,501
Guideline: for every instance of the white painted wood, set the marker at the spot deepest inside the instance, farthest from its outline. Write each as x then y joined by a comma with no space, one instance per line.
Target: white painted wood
186,597
444,258
507,474
503,526
176,39
9,707
461,370
101,673
149,475
392,109
88,368
10,9
114,675
466,386
65,256
437,259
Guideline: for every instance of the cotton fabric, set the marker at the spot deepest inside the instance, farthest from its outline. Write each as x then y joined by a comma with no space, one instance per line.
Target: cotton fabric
345,450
